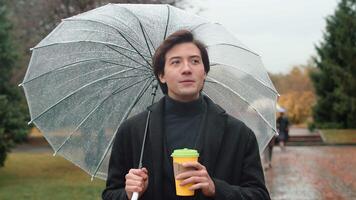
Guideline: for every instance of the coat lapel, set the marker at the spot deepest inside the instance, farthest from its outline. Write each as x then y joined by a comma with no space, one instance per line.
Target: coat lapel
156,144
211,136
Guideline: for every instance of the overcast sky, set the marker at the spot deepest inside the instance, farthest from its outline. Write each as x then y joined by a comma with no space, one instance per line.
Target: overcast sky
283,32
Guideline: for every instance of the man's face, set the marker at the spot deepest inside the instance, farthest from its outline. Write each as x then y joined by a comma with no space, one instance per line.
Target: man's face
184,72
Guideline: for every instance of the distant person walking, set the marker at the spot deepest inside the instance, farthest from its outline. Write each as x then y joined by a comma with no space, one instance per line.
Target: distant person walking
283,130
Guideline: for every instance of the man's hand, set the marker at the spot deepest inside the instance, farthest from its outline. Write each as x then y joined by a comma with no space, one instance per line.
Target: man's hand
136,181
199,177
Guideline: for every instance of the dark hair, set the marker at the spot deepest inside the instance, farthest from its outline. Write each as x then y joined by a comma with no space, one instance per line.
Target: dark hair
178,37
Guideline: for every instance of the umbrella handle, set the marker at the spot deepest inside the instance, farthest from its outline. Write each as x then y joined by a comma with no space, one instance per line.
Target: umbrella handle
134,196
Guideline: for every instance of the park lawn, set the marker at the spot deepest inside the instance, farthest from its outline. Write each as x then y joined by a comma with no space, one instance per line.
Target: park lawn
339,136
40,176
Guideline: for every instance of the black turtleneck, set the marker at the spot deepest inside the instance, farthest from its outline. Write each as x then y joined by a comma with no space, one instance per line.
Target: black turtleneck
182,123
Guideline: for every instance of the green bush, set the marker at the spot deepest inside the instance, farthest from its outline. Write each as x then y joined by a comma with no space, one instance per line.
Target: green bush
13,114
311,126
5,139
329,125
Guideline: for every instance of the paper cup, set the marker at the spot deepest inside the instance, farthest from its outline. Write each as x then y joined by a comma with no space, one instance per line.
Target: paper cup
181,156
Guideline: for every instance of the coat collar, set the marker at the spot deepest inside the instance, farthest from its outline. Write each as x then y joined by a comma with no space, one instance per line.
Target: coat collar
211,135
156,138
208,144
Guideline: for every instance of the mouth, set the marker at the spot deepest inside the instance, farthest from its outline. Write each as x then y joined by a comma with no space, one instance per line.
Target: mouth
187,81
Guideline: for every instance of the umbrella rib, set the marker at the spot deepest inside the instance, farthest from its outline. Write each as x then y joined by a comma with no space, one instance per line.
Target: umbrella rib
117,19
144,35
89,41
135,49
73,64
101,22
142,29
198,26
91,112
137,98
145,69
227,44
72,93
129,57
249,74
166,29
118,91
202,24
242,98
122,35
133,76
149,39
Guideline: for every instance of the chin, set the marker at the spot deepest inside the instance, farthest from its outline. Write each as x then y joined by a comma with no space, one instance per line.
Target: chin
189,94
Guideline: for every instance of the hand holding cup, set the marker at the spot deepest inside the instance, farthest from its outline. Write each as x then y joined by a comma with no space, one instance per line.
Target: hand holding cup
197,177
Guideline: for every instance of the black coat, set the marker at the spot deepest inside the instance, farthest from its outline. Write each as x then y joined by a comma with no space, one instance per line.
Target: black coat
228,149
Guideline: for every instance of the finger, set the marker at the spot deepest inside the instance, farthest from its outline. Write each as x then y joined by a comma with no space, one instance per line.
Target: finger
187,174
130,182
193,180
144,173
199,186
195,165
144,170
139,172
133,188
134,177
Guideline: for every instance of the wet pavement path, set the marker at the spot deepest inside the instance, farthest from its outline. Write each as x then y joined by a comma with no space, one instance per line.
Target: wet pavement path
299,173
313,173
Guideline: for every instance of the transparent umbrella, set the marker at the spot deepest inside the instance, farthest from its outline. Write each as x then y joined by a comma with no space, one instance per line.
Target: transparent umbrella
93,71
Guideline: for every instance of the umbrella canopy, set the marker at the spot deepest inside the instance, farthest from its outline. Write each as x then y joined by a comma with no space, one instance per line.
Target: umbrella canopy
280,108
93,71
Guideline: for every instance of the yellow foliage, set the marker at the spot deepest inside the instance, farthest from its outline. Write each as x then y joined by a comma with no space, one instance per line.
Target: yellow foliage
298,104
297,93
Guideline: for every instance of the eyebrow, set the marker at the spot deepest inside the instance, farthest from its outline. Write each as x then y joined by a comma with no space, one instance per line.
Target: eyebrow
178,57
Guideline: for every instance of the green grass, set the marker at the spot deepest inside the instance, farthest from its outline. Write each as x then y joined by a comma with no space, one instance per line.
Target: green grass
339,136
40,176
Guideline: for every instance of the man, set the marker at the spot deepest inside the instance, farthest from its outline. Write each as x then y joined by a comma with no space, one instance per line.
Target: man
229,165
283,129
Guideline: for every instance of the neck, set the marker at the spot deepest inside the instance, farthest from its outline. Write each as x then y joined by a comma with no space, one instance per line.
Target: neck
184,99
183,108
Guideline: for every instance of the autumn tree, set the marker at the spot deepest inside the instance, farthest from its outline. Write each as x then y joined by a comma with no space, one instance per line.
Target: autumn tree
297,92
335,79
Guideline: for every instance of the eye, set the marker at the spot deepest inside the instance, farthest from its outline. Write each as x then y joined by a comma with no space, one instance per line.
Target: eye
175,62
195,61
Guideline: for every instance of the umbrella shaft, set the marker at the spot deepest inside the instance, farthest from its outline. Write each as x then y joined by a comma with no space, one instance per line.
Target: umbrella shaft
154,90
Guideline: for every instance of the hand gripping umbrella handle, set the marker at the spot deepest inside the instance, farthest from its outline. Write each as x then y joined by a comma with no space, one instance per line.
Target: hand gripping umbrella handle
154,89
134,196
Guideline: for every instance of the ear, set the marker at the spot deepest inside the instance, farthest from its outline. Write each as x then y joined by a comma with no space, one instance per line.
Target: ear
161,78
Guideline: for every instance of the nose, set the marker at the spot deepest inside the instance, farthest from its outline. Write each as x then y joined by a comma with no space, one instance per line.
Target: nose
186,68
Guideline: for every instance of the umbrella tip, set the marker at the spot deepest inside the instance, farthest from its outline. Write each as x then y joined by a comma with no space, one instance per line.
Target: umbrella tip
92,178
54,154
30,122
20,85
